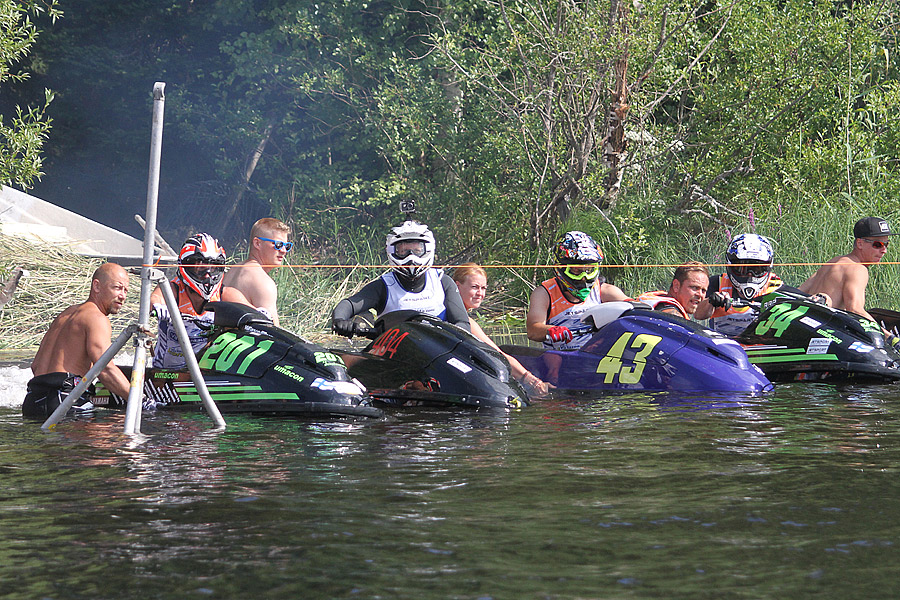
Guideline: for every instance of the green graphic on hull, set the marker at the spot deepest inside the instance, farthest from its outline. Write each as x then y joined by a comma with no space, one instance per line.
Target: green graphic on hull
783,358
238,396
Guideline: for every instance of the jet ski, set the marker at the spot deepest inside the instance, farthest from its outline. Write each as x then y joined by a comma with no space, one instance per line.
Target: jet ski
796,339
636,348
251,366
415,359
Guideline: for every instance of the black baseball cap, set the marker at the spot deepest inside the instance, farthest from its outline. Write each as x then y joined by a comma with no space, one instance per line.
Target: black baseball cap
871,227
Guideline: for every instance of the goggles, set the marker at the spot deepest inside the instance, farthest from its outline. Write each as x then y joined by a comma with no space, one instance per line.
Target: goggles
199,266
750,270
579,272
414,248
278,244
877,244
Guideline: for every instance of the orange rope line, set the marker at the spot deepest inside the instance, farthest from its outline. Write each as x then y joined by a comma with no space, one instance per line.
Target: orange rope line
451,266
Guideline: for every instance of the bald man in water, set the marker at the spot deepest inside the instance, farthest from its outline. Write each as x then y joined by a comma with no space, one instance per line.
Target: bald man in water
77,339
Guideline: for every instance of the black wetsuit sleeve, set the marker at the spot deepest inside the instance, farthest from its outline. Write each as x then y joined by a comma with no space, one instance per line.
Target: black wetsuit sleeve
373,295
453,302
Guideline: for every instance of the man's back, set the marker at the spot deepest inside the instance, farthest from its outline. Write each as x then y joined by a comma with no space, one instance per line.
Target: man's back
843,279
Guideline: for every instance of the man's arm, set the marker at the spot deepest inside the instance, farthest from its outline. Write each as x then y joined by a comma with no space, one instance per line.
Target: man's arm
705,309
536,318
454,305
854,291
98,333
230,294
372,295
611,293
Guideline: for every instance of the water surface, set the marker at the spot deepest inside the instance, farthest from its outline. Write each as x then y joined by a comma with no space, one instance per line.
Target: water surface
794,494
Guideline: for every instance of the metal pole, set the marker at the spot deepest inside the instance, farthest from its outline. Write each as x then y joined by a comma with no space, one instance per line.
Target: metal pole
135,392
88,379
189,356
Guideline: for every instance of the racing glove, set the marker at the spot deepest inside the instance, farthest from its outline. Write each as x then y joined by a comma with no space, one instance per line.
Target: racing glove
892,340
720,300
559,333
344,327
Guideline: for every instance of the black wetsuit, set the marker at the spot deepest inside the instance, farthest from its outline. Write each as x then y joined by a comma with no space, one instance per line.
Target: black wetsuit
374,295
46,392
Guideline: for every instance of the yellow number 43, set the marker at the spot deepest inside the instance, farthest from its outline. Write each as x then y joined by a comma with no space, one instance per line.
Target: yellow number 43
612,365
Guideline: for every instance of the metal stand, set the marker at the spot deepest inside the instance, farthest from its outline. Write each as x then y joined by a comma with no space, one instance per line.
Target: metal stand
149,277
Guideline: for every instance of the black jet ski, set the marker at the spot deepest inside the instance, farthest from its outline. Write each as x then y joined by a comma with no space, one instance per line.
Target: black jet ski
796,339
416,359
251,366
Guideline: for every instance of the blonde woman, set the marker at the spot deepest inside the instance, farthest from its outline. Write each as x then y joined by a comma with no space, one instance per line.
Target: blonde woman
471,280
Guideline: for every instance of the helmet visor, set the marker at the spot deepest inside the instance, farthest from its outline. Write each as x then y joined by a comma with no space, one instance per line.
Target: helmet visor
198,267
750,271
406,248
582,272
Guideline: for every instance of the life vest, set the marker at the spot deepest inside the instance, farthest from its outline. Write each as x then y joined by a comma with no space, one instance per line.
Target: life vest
655,299
429,301
734,321
167,353
568,314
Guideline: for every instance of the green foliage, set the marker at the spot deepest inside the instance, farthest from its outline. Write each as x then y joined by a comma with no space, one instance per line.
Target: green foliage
23,133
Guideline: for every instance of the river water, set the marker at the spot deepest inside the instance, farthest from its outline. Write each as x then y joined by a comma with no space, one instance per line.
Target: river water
795,494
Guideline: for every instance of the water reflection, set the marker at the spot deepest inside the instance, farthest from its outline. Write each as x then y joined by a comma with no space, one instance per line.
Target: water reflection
638,494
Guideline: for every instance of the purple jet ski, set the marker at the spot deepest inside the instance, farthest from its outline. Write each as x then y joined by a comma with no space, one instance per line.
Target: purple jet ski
637,348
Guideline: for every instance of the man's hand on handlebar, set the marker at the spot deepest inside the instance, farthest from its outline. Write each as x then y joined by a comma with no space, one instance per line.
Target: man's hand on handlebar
720,300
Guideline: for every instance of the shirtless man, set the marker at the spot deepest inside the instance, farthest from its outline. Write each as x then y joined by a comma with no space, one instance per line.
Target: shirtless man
77,339
844,278
268,247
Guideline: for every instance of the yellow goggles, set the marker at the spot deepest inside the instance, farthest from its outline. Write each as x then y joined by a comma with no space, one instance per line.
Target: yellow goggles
577,272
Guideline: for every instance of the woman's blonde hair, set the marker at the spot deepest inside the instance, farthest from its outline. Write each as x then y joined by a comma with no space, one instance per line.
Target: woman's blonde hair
467,269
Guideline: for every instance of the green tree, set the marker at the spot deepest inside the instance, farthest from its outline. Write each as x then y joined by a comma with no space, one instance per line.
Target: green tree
23,130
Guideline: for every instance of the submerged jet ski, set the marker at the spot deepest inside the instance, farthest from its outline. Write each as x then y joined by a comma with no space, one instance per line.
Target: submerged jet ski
796,339
251,366
417,359
637,348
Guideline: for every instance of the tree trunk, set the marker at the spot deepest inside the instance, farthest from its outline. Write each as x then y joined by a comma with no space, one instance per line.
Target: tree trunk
252,161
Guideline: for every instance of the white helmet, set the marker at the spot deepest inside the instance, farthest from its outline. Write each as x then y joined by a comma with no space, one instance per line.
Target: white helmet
749,258
416,256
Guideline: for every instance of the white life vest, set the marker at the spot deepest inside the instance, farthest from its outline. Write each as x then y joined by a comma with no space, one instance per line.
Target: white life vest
429,301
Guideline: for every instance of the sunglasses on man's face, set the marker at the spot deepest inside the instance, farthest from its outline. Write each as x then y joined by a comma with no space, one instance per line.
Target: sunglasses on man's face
278,244
583,272
877,244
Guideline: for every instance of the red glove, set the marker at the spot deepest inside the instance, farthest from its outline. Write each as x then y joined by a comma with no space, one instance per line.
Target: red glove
558,333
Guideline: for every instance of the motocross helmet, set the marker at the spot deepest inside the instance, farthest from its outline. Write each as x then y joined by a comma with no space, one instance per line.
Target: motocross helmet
577,248
417,253
201,264
749,257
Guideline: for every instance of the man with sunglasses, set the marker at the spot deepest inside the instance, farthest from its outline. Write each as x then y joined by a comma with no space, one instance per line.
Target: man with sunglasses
556,306
844,278
411,284
201,267
268,247
748,276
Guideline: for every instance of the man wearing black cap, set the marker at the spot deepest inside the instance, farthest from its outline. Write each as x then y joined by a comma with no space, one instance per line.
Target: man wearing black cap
844,278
